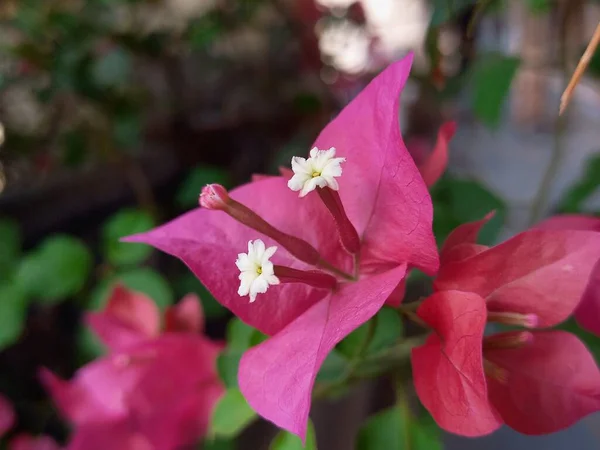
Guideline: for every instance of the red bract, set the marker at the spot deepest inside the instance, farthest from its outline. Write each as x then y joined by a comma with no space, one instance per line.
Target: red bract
588,311
151,388
382,197
434,165
7,415
537,382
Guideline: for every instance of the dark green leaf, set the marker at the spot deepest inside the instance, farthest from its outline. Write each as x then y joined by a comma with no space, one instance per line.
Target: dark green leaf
388,329
197,178
334,367
126,222
219,444
231,415
187,283
203,32
445,10
540,6
127,130
13,313
492,75
112,69
10,247
573,200
143,280
289,441
239,334
228,363
397,429
57,269
458,201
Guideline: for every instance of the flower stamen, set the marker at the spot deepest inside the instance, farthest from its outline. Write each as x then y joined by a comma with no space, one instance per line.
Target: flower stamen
256,270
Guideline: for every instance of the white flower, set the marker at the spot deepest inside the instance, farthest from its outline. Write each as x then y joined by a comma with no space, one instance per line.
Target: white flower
319,170
256,269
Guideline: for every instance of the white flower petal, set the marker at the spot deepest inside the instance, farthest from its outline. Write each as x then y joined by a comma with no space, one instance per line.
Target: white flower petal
319,170
256,270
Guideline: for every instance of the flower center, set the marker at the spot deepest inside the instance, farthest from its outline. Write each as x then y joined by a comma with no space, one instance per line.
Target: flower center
259,270
316,174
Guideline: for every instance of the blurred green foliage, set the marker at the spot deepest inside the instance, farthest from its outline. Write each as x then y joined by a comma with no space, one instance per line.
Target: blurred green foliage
287,441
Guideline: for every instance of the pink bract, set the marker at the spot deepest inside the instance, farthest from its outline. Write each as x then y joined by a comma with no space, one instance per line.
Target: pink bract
155,388
387,201
544,380
588,311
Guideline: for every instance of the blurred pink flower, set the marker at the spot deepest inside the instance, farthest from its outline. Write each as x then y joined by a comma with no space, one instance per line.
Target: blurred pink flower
153,389
537,382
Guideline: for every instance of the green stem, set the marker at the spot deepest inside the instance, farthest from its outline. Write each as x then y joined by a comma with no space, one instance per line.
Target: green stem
403,406
542,196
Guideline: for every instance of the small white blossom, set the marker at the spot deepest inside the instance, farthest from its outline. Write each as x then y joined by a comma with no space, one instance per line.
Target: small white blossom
320,170
256,271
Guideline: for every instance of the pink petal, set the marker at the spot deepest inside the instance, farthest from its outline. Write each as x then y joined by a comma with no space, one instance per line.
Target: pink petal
185,316
551,383
99,390
448,368
28,442
435,164
128,318
381,188
277,376
117,435
570,222
209,242
588,311
7,415
461,243
535,272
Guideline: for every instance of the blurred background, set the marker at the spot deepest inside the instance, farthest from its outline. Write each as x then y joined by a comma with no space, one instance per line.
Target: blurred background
115,113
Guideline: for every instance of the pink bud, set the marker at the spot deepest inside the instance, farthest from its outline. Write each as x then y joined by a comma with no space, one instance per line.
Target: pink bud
214,196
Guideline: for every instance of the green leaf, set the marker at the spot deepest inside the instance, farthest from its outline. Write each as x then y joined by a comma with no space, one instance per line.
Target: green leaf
126,222
10,247
574,198
218,444
388,329
492,75
239,339
187,283
231,415
127,130
57,269
203,32
228,363
239,334
334,367
13,313
144,280
112,69
445,10
397,429
458,201
196,179
540,6
288,441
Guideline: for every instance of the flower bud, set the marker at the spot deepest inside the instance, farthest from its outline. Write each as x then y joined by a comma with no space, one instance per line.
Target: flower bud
214,196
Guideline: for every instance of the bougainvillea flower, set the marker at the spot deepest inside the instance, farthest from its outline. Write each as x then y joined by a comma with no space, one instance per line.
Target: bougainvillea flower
381,215
28,442
588,311
155,387
536,382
